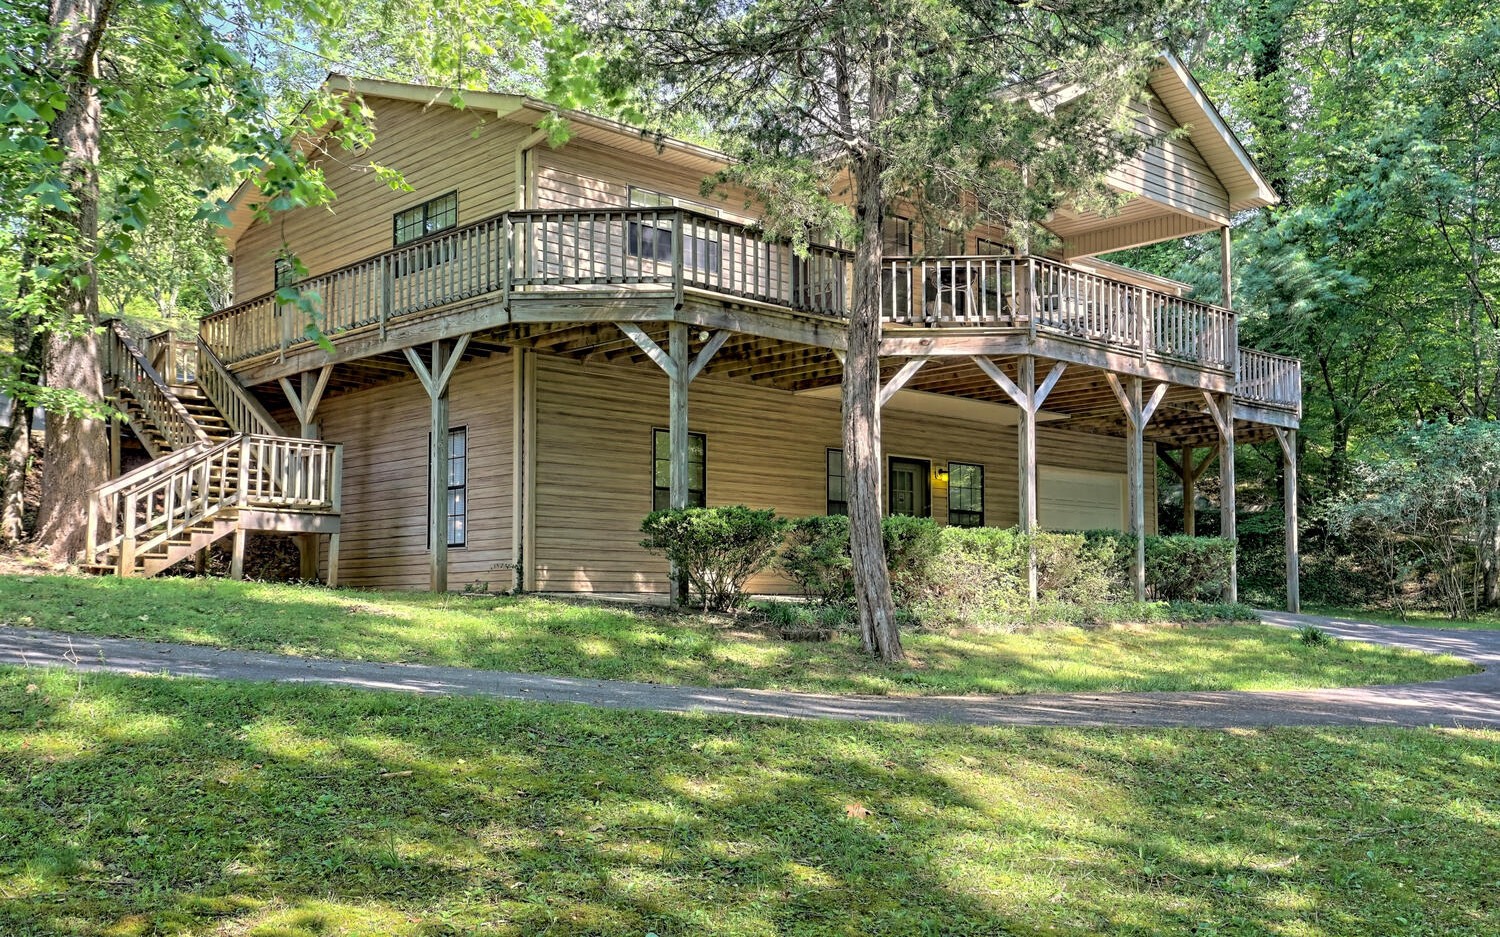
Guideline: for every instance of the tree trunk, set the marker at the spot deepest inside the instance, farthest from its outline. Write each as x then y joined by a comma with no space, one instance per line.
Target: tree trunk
861,390
17,447
75,459
1489,554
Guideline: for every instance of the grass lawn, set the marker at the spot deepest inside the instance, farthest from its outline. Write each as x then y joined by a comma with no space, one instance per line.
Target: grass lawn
142,805
538,635
1418,618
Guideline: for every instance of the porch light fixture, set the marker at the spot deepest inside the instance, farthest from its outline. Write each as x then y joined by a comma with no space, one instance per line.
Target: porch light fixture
941,472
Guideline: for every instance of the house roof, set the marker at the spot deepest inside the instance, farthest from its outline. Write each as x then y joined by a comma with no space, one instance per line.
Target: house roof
1173,84
1185,99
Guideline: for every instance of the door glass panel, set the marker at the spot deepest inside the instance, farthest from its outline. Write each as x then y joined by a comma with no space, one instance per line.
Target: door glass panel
908,488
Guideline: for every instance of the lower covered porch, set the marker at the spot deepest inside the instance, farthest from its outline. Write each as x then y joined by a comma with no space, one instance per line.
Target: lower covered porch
556,439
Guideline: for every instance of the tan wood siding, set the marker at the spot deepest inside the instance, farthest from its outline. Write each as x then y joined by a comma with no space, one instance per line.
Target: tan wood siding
385,435
581,175
1172,173
438,150
766,448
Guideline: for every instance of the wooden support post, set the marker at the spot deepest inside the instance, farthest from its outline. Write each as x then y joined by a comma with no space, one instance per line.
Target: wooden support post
1189,493
523,462
305,406
1221,408
1028,398
1026,466
1288,440
1135,470
435,379
681,367
1225,269
1138,413
677,431
338,508
237,555
116,440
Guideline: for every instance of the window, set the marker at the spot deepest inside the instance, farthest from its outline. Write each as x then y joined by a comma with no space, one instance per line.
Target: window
661,469
992,248
838,494
654,241
285,272
965,495
458,489
895,236
417,222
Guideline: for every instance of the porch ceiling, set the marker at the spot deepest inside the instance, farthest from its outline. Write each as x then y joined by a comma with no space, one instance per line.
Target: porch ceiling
1082,399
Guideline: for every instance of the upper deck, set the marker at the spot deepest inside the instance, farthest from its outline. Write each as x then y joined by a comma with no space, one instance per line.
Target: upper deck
521,268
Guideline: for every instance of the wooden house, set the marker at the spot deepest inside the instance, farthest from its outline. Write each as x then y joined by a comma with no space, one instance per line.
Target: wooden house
512,344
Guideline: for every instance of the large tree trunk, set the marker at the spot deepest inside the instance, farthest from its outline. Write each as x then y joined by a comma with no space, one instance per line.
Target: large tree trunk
75,458
17,447
1489,554
861,390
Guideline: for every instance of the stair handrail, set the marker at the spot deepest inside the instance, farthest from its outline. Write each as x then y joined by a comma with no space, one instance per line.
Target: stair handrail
241,410
169,461
174,493
132,370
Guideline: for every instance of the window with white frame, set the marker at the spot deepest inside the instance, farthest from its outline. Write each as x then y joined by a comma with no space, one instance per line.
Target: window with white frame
653,240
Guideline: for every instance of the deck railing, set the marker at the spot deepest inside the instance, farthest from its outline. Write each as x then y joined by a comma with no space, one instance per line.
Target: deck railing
173,357
128,368
671,251
164,499
1053,297
1269,379
240,408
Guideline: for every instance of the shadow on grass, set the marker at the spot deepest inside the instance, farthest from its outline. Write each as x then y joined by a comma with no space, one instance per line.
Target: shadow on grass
145,806
568,638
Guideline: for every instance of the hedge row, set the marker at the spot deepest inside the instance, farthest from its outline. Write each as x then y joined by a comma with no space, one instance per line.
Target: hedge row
943,576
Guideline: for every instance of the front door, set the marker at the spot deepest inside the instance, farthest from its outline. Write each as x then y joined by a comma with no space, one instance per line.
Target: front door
909,493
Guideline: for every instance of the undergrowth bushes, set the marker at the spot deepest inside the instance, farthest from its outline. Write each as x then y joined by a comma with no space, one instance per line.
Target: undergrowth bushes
718,549
950,577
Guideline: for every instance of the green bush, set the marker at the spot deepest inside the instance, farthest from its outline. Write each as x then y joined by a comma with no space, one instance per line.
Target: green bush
977,577
1179,568
816,558
910,545
718,549
955,577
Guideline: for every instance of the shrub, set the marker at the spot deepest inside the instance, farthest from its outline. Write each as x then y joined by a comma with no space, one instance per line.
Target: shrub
978,577
910,545
1179,568
816,558
718,549
1314,637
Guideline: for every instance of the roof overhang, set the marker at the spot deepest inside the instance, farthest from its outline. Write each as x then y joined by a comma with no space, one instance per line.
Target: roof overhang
1170,81
1182,96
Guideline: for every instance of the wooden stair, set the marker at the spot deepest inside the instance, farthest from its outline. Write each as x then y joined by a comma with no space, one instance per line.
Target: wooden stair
183,545
208,477
203,411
